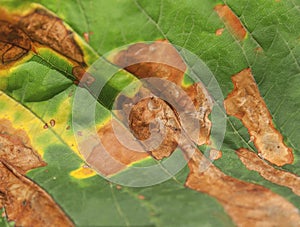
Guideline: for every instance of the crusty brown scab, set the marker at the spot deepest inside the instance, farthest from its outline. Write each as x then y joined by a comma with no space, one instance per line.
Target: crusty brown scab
22,199
253,162
231,21
246,203
245,103
154,123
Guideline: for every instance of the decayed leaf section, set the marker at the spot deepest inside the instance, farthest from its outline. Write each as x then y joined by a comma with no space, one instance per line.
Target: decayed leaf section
154,123
248,204
161,60
153,126
47,29
245,103
277,176
158,59
24,201
117,149
14,42
231,21
20,34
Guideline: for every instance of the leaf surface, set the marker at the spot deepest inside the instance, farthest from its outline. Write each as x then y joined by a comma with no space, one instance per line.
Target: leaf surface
38,93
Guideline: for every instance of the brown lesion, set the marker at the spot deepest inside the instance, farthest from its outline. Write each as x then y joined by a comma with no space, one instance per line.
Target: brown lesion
22,34
14,42
49,30
111,155
25,202
160,59
253,162
231,21
246,203
155,124
203,104
245,103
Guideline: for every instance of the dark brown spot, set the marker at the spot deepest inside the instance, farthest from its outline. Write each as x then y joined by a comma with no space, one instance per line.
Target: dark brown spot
215,154
86,36
258,50
52,122
45,126
203,104
160,59
24,201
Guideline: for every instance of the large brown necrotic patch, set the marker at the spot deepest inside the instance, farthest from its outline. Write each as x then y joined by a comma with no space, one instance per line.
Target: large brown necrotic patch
152,121
161,60
246,103
49,30
158,59
24,201
20,34
14,42
231,21
277,176
248,204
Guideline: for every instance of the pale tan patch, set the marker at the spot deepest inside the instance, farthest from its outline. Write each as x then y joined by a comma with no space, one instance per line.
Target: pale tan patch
245,103
215,154
277,176
219,31
246,203
231,21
